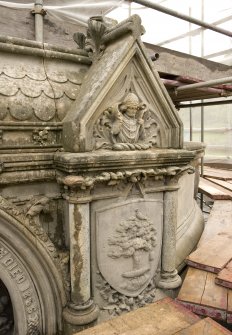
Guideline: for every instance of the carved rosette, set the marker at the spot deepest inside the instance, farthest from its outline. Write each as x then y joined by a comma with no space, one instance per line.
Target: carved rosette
127,125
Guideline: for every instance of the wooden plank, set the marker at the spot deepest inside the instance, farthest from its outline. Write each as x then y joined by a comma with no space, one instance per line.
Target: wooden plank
225,184
212,299
213,191
214,296
229,307
206,326
212,255
193,286
219,220
148,320
224,278
217,173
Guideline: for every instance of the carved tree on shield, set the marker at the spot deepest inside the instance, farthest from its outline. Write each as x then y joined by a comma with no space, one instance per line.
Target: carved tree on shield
134,238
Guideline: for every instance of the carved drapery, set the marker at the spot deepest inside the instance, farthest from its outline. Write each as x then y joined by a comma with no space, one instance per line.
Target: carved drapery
128,125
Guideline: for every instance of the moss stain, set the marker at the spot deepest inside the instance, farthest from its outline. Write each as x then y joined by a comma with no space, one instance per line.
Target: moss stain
78,260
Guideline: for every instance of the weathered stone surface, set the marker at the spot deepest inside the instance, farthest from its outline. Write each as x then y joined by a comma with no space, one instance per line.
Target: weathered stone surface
37,87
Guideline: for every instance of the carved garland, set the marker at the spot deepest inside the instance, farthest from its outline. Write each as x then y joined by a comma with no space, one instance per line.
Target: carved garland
133,176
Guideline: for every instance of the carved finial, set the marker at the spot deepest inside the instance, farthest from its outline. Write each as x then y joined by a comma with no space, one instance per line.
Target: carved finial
95,32
80,39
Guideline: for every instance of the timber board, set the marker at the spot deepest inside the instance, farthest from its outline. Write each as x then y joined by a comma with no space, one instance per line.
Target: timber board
229,308
212,255
219,221
224,278
213,191
206,326
211,299
164,317
225,184
217,173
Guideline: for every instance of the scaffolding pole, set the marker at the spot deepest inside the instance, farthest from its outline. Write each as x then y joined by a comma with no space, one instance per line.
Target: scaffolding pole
150,4
205,84
199,104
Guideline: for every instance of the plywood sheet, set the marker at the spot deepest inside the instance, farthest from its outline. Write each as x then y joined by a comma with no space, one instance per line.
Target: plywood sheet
212,255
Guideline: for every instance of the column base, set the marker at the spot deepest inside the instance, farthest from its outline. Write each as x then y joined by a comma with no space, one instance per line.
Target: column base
80,315
169,280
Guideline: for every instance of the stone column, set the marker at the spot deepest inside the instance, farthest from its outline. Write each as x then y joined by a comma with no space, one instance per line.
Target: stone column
169,276
81,309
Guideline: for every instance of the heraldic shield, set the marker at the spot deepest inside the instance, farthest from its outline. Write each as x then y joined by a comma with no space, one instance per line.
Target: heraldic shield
129,239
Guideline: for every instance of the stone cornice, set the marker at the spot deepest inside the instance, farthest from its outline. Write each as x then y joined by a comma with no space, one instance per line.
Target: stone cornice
112,161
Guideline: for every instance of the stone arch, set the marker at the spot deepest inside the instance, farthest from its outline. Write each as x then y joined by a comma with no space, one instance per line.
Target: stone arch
31,278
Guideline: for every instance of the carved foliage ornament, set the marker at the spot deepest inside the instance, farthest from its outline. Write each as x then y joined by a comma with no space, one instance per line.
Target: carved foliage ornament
117,303
135,238
127,125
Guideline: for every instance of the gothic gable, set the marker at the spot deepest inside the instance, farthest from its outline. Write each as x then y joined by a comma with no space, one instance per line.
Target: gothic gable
123,104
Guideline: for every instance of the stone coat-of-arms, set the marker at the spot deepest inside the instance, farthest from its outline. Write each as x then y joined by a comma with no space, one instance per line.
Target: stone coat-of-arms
129,244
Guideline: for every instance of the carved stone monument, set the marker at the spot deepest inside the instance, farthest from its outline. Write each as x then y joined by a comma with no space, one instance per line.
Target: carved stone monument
94,175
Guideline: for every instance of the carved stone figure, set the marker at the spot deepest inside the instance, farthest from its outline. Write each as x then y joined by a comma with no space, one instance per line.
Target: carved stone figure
124,126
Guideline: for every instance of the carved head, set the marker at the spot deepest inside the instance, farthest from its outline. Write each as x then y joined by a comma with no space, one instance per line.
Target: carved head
130,104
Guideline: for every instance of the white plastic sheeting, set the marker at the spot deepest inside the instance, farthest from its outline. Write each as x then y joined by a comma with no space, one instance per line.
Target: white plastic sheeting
71,10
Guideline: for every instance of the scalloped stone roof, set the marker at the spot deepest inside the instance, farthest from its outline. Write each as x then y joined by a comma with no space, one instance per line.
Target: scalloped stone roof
37,89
